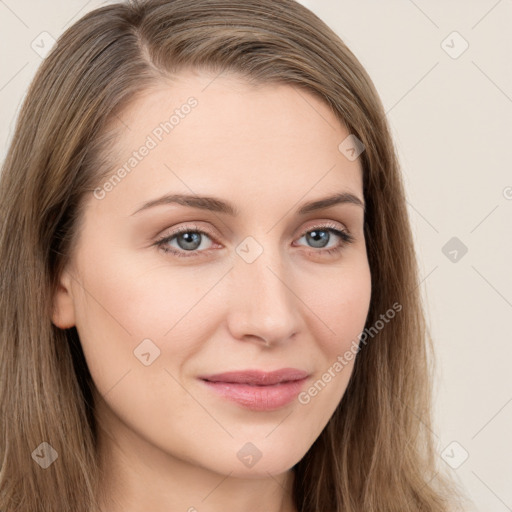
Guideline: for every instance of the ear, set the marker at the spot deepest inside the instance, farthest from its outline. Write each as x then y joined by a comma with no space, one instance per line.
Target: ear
63,304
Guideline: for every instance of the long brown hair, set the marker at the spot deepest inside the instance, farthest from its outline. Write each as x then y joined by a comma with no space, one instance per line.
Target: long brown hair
377,453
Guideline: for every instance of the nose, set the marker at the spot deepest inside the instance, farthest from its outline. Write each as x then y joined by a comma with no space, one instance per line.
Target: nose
263,305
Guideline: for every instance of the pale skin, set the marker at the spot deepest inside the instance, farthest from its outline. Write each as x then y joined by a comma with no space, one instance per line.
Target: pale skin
167,442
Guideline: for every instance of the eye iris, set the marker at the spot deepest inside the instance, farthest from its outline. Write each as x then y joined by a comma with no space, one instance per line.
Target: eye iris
189,238
318,236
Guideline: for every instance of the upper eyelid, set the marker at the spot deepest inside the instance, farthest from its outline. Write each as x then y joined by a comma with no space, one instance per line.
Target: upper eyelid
326,224
195,226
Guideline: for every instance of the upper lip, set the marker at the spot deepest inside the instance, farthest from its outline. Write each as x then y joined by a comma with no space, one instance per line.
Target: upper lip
258,377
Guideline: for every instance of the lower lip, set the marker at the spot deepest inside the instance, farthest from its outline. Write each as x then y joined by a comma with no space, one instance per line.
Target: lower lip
259,398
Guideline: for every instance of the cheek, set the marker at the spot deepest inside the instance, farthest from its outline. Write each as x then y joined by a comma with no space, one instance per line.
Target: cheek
341,309
123,313
343,305
122,321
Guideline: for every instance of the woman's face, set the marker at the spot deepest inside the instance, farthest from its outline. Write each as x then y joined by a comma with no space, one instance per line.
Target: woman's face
262,286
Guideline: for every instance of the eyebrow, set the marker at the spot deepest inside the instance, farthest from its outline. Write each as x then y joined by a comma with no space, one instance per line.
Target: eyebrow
217,205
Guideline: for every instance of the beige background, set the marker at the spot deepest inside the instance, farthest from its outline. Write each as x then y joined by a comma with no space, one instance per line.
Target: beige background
451,118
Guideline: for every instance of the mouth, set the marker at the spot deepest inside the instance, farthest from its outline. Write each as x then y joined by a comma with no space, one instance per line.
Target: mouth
257,390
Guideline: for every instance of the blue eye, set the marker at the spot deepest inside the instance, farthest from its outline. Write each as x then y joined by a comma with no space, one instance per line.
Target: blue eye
323,233
190,238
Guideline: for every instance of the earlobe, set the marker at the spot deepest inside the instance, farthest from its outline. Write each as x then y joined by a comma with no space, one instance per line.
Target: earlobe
63,315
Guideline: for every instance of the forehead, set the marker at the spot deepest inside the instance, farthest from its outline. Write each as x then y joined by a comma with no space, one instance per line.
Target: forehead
201,133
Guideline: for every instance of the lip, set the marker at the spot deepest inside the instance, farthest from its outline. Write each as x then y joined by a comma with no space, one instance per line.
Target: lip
258,390
257,377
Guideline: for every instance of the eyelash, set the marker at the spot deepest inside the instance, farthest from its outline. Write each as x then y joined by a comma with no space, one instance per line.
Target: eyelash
346,238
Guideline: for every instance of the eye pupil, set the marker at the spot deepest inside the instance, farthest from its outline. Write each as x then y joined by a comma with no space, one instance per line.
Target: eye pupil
190,237
318,236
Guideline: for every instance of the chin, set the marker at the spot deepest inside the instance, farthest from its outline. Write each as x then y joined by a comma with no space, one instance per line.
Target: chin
258,460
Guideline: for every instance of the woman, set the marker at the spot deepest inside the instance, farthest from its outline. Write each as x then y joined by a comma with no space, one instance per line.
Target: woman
209,287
